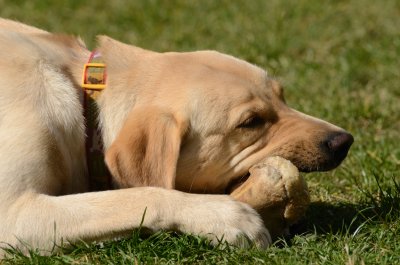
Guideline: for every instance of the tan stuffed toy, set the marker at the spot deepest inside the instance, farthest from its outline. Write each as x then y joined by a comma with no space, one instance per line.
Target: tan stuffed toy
277,191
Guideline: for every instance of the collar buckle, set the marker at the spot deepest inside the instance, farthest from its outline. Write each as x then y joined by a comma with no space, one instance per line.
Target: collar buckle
93,83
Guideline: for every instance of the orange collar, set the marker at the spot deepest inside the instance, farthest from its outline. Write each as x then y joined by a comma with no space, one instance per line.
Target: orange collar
94,75
93,83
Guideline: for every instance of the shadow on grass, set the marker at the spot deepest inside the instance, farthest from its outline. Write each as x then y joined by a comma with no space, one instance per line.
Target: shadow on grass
323,218
344,218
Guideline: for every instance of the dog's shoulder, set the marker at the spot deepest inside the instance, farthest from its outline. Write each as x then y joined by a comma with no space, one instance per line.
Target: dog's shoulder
27,52
35,68
19,40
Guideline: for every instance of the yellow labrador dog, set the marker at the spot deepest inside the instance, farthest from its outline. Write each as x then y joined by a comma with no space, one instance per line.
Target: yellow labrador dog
175,127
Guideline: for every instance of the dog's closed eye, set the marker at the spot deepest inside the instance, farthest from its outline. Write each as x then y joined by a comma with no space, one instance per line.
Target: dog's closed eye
252,122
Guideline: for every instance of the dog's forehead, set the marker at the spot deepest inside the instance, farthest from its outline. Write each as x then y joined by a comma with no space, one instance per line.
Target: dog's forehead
230,79
219,83
216,74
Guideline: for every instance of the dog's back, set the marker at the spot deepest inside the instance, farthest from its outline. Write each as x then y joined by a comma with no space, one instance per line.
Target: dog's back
19,27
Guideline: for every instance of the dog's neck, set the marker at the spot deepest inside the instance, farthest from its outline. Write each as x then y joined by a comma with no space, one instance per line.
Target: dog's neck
93,82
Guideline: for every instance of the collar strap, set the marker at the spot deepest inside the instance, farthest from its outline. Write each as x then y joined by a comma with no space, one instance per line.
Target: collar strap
93,83
94,73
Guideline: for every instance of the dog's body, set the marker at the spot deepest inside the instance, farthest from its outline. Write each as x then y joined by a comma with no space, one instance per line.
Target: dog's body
193,122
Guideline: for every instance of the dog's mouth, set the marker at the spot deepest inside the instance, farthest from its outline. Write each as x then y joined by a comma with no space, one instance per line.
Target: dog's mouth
312,166
236,183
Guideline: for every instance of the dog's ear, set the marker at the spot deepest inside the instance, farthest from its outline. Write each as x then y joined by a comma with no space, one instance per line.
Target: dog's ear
146,151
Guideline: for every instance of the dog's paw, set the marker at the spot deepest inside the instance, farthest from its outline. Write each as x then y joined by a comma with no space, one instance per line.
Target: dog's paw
221,218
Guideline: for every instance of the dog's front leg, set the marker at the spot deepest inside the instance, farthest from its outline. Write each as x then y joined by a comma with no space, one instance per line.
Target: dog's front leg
40,221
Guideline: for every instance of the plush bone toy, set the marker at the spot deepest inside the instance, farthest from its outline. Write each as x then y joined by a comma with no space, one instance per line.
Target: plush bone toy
277,192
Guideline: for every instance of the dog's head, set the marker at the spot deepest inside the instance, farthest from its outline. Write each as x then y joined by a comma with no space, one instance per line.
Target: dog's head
198,121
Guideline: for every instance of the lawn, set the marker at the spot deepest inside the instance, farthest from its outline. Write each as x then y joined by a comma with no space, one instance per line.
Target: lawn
338,60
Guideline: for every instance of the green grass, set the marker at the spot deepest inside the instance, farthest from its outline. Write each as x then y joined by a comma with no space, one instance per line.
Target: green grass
338,60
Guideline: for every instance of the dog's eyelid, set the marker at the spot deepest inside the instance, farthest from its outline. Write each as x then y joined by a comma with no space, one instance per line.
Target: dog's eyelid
254,120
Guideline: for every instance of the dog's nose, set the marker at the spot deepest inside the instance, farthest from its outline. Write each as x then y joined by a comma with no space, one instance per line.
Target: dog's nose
339,143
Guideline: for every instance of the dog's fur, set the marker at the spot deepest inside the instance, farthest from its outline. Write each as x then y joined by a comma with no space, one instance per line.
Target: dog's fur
193,122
